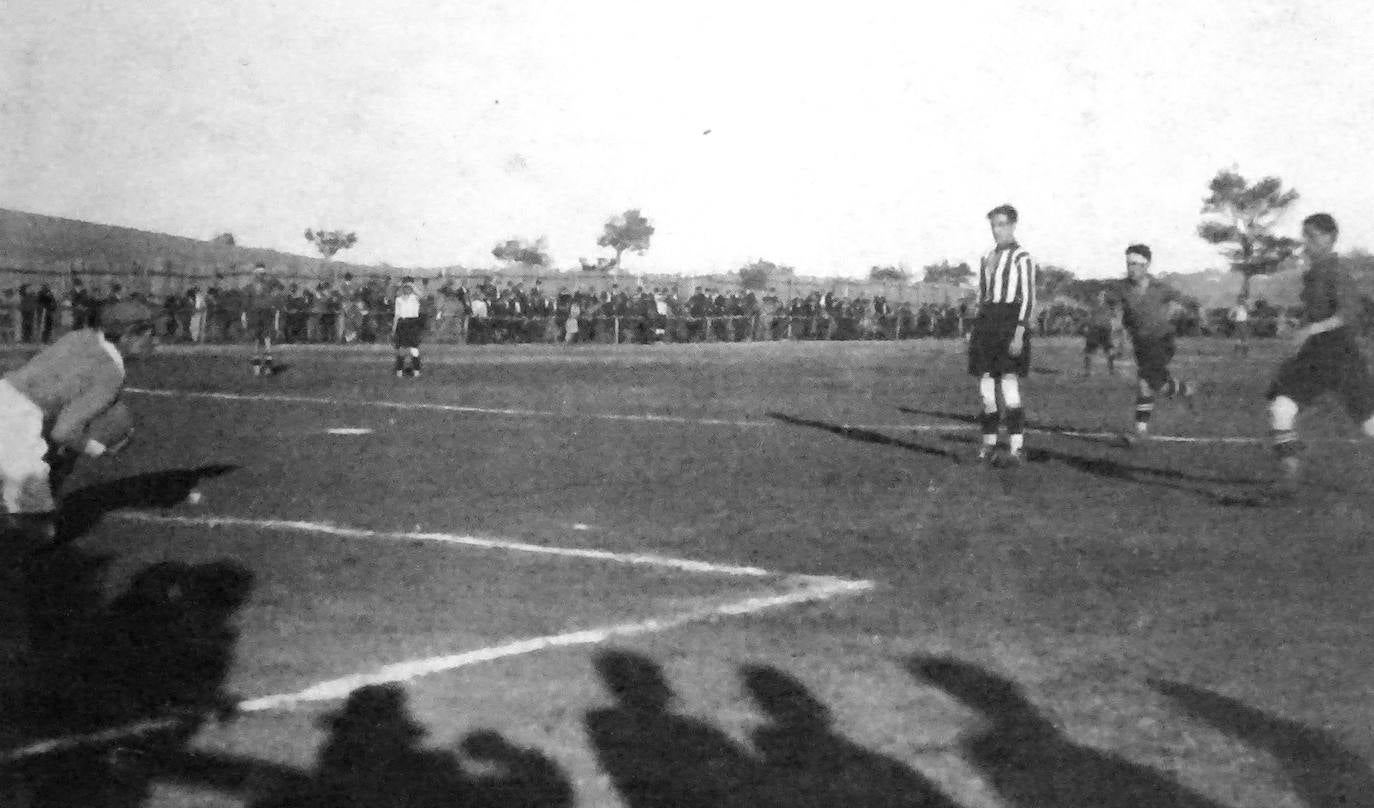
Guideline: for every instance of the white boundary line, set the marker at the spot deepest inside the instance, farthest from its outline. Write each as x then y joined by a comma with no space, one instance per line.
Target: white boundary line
795,590
642,559
677,419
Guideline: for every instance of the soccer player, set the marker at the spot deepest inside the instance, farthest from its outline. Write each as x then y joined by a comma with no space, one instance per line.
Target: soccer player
52,400
1239,316
407,326
263,303
999,345
1149,310
1100,333
1328,357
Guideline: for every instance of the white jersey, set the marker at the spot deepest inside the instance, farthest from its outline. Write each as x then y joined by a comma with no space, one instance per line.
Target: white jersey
407,306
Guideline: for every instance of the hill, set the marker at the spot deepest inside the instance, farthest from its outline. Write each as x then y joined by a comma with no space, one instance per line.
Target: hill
32,244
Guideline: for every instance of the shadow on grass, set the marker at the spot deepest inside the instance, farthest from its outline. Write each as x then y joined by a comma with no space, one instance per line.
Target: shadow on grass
1030,763
1074,432
1107,468
1324,772
864,435
83,508
656,756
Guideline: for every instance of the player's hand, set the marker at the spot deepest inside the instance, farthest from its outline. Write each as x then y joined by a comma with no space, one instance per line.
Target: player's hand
1018,340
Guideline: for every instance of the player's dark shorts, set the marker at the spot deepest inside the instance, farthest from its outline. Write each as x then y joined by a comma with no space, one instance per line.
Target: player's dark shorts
1328,362
992,332
262,323
1098,337
408,332
1152,358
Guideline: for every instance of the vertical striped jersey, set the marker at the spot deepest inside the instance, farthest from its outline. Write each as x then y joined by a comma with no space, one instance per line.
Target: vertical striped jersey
1007,276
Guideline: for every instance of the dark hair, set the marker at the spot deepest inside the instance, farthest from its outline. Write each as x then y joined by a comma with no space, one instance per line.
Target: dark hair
1005,210
1142,250
1322,222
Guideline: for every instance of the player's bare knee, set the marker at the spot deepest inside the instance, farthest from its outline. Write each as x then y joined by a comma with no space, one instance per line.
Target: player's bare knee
1283,412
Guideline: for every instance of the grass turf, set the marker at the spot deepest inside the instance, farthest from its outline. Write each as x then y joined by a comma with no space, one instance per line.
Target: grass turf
1098,621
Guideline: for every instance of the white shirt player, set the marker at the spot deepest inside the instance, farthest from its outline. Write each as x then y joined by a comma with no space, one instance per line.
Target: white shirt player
407,306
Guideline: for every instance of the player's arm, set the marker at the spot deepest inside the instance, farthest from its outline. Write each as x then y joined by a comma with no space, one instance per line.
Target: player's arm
69,430
1346,295
1025,279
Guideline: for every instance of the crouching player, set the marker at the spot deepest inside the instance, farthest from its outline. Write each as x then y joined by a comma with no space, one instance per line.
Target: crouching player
61,405
1328,357
407,327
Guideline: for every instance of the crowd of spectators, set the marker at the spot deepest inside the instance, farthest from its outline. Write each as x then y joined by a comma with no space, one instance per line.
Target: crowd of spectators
350,311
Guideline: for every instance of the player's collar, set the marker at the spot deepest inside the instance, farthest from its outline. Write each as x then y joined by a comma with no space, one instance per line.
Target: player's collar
1014,245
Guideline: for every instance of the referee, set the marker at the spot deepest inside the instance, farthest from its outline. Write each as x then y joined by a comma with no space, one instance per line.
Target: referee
406,329
999,347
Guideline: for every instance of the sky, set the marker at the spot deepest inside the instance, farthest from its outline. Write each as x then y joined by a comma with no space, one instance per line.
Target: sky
828,136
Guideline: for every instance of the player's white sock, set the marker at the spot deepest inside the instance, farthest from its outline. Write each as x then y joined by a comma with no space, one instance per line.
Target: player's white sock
1283,413
1368,426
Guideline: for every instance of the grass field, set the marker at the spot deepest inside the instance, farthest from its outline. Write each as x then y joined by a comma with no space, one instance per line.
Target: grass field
739,574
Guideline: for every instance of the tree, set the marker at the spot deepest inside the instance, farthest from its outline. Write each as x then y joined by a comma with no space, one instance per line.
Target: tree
329,242
1052,281
226,239
1242,217
888,274
628,231
760,273
519,251
944,272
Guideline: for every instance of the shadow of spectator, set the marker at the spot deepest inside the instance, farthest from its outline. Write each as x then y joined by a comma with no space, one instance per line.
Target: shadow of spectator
864,435
1324,772
82,508
157,656
657,758
373,757
809,764
1030,763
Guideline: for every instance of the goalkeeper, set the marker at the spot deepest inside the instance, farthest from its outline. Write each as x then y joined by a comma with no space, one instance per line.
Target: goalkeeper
63,403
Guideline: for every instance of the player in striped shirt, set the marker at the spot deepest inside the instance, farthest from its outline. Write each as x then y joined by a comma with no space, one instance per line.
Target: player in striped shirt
999,347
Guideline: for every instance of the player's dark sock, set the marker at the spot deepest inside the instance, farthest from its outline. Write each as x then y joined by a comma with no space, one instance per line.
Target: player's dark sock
1144,408
987,424
415,363
1016,428
1285,443
400,364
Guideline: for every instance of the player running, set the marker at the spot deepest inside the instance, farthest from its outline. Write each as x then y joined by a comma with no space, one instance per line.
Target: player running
1328,357
1149,310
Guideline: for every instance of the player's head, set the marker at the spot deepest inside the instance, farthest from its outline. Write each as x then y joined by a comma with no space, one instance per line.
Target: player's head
1002,219
1319,234
133,337
1138,258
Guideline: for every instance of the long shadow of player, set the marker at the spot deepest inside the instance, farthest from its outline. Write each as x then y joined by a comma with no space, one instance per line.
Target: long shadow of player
1030,763
659,758
864,435
374,756
1074,432
83,508
157,656
1197,484
1324,772
808,763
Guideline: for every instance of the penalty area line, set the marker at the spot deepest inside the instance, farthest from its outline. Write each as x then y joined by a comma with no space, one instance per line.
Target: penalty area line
796,590
636,559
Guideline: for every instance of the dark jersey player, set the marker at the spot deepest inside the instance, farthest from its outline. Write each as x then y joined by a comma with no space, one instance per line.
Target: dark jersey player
999,346
262,304
1149,311
1101,333
1328,357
